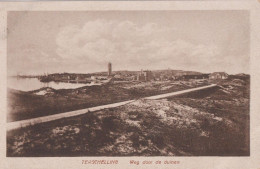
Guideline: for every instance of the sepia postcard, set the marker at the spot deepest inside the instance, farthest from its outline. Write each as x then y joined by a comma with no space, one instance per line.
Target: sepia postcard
120,84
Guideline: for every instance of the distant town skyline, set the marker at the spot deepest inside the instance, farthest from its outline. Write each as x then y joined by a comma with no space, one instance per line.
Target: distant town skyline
84,42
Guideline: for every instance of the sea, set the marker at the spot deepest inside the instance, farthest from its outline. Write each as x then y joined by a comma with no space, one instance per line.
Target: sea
30,84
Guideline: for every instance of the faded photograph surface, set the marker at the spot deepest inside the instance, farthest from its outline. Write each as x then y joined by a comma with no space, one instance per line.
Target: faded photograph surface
128,83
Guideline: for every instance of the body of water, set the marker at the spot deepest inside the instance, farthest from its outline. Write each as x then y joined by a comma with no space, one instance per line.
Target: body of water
29,84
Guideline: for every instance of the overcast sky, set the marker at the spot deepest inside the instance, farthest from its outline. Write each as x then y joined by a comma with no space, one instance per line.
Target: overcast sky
83,42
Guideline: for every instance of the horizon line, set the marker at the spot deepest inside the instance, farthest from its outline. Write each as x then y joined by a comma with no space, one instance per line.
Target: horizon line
103,71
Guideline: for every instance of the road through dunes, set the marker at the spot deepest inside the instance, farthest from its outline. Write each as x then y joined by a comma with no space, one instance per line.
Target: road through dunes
33,121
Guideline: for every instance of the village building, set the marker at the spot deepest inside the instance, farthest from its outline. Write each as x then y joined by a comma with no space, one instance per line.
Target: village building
218,75
146,75
199,76
118,76
163,78
98,78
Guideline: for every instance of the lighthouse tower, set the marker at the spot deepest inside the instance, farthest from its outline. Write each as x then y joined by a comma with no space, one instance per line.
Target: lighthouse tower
109,73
